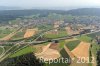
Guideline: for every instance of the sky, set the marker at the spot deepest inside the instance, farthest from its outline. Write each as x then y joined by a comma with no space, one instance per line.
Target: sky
51,3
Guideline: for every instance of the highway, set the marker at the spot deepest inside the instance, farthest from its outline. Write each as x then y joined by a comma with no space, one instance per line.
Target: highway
35,42
16,46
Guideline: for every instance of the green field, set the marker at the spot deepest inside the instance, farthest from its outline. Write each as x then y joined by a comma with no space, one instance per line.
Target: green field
44,26
60,34
94,46
1,50
64,53
7,47
61,44
26,50
19,35
84,38
94,35
5,32
72,44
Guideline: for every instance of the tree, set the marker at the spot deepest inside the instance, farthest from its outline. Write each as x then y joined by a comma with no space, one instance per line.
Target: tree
24,60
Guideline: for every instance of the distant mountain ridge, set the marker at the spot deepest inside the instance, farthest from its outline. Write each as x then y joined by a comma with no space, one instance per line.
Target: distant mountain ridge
75,12
85,11
6,15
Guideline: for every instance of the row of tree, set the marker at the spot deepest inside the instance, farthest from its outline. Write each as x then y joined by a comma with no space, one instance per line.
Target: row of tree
98,58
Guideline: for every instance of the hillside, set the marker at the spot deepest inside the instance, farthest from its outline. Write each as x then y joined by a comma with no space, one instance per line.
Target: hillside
6,15
85,11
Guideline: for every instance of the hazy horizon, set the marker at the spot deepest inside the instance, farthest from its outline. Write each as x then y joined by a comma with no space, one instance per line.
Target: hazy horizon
51,4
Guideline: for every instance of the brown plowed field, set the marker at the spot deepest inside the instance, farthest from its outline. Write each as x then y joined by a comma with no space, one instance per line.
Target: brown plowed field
30,33
48,53
82,50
